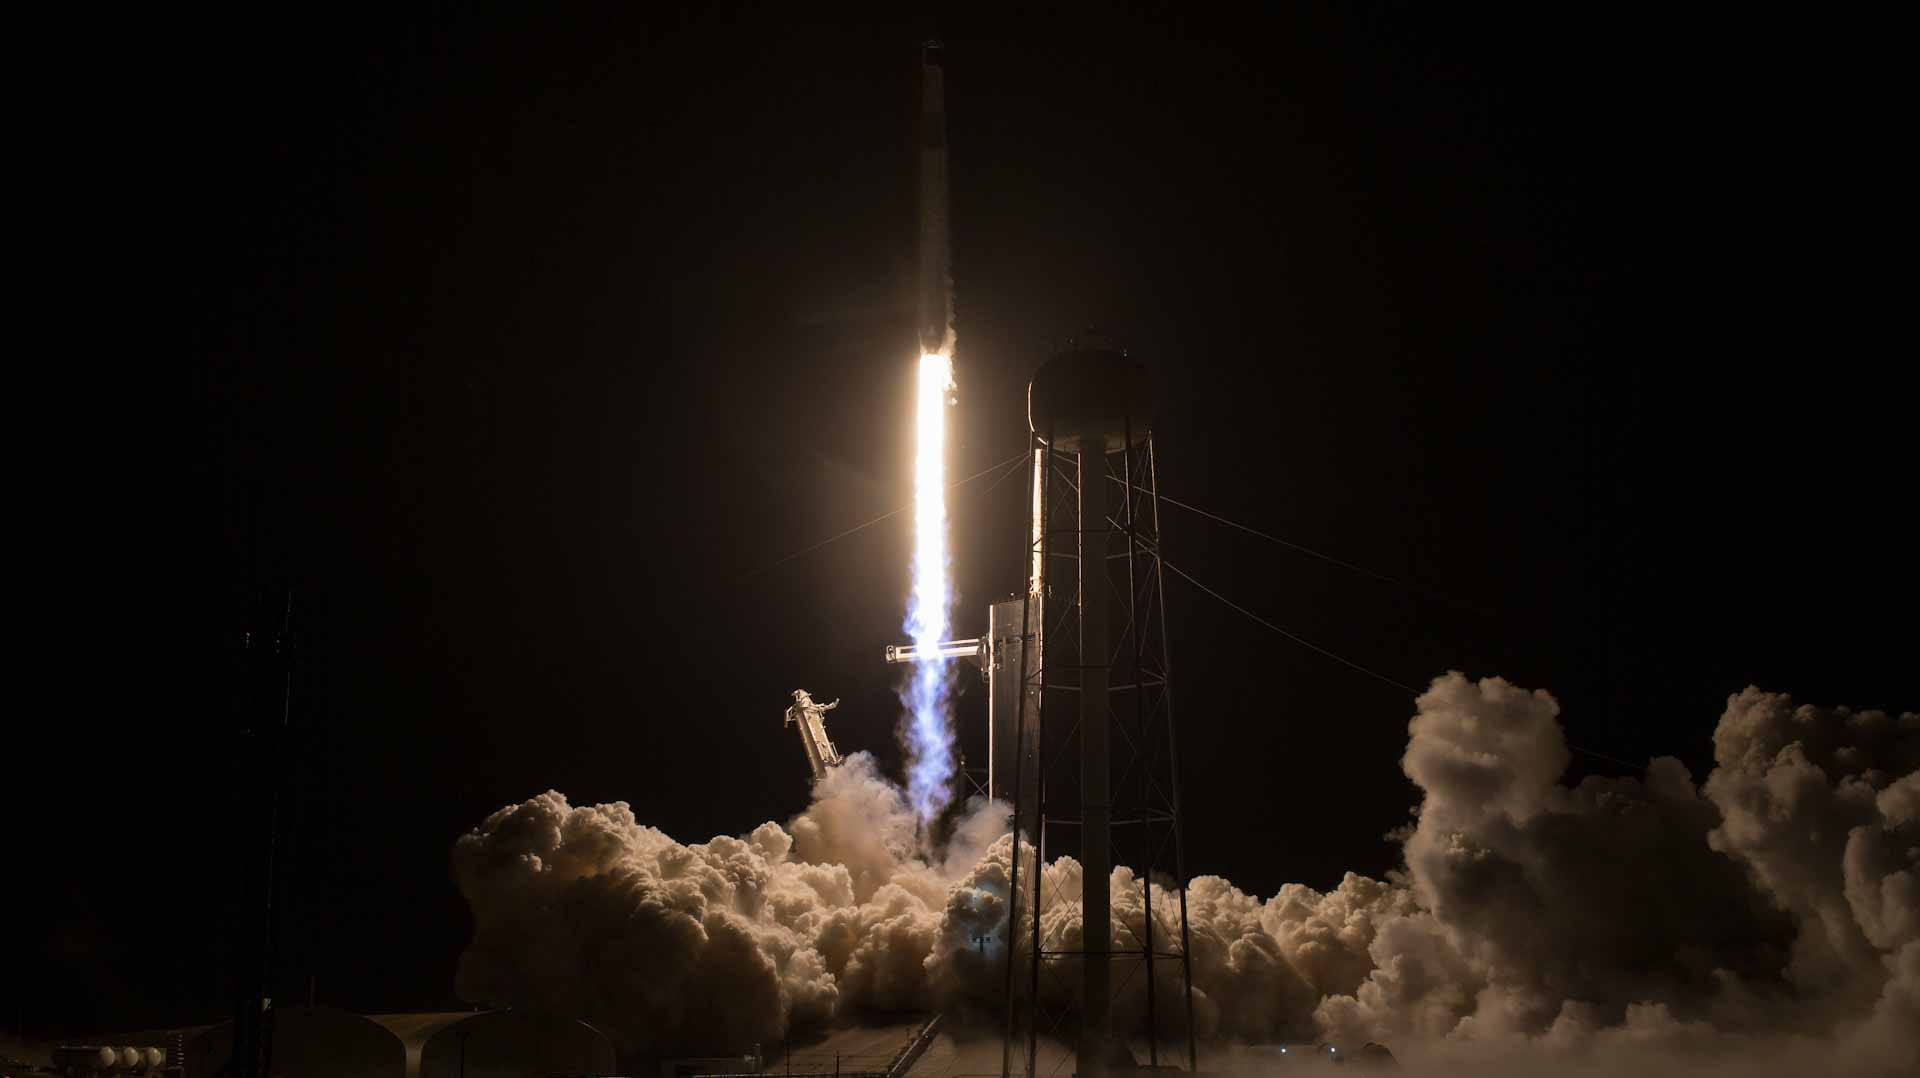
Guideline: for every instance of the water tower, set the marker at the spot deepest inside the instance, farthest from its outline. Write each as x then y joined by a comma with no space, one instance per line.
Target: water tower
1094,757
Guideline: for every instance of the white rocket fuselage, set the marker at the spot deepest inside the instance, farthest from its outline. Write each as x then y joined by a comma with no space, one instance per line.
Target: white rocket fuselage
936,281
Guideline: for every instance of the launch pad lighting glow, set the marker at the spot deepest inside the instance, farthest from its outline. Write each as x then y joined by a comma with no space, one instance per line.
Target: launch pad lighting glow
929,732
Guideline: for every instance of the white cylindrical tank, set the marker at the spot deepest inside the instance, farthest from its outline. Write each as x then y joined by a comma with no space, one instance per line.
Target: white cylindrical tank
131,1059
154,1057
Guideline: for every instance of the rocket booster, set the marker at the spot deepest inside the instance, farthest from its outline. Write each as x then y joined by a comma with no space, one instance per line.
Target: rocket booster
936,281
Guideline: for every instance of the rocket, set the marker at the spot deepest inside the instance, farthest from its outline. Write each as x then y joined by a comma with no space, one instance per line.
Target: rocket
936,281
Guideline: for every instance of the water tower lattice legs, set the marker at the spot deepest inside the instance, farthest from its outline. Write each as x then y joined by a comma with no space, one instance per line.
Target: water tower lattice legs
1098,697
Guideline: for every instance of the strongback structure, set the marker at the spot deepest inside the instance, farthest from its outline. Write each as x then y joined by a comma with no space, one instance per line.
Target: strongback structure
810,719
997,654
1088,702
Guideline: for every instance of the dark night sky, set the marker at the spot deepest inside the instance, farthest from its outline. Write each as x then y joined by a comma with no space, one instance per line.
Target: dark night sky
524,345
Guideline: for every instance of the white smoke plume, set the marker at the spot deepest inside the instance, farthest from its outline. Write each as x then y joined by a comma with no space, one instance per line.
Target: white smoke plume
722,944
1768,916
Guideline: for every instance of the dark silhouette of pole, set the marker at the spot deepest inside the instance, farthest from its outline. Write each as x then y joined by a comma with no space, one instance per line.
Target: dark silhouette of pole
1096,834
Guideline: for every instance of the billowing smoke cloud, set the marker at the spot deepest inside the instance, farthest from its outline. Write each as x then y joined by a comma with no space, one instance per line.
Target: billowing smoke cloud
1652,911
1768,915
726,943
1535,894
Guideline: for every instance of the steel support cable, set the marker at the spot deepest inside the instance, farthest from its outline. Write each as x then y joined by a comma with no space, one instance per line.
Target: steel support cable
955,485
1343,661
1331,560
1300,640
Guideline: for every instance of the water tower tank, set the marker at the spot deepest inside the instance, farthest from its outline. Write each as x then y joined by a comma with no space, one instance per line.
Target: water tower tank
1088,398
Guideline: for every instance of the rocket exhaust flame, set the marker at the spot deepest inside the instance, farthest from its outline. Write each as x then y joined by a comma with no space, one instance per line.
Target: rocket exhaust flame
928,732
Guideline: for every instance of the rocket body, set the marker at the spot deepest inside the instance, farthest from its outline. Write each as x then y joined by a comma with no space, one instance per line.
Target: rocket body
936,280
927,726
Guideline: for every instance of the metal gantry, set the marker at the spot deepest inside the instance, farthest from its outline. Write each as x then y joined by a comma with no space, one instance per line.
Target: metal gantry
1099,776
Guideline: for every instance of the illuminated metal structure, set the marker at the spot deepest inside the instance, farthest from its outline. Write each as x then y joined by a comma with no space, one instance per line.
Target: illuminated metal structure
998,656
1091,689
810,718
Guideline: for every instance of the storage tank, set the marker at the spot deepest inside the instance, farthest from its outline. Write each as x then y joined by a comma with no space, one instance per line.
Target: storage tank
1090,398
